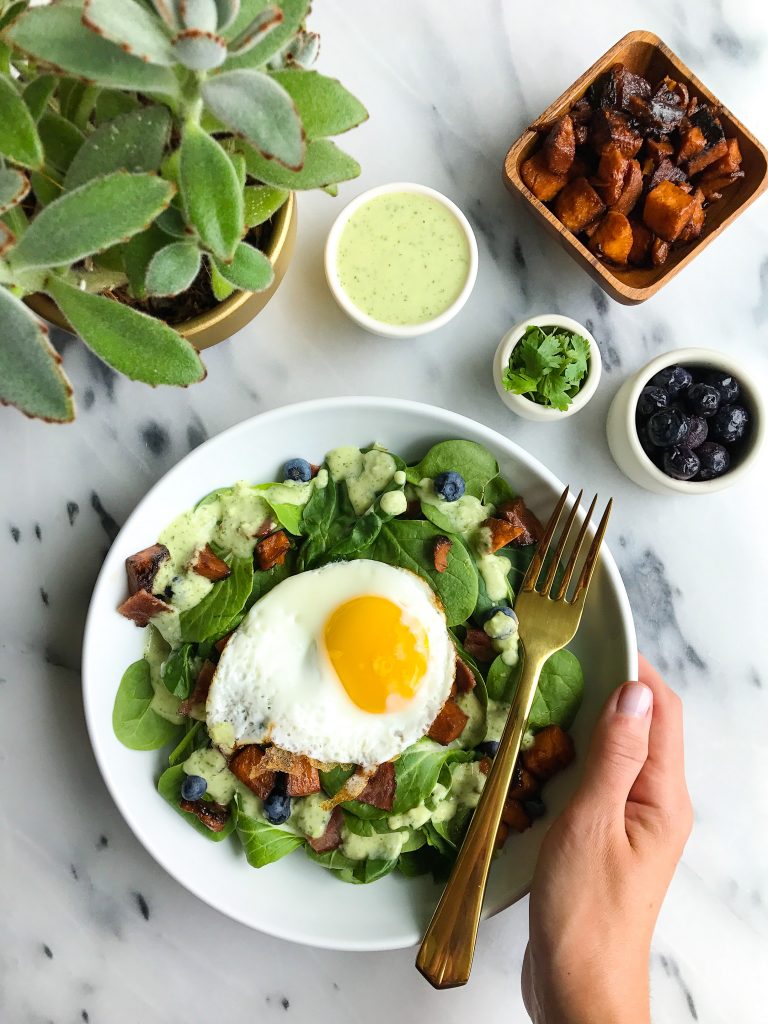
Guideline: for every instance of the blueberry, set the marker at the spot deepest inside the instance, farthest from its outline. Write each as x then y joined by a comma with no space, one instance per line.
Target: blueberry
727,385
697,432
193,787
535,808
450,485
488,747
681,463
667,427
504,608
729,423
703,399
673,379
651,400
277,806
297,469
714,460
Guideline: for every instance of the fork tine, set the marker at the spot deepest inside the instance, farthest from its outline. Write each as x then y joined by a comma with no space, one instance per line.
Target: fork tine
566,580
591,560
552,571
529,581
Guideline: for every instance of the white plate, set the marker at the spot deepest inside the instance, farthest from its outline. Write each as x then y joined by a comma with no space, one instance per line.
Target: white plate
294,898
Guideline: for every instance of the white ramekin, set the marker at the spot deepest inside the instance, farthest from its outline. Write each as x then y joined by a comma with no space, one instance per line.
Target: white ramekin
523,406
625,444
354,312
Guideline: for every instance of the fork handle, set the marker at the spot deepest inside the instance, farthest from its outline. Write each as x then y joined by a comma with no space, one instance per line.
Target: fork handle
445,956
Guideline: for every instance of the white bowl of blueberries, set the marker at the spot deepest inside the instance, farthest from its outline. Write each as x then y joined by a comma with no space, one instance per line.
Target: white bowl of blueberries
690,422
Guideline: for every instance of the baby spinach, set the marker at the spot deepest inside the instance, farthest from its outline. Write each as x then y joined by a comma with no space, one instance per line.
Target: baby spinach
452,830
191,740
501,681
169,787
418,769
179,671
497,491
214,615
424,861
474,462
334,860
262,842
265,579
369,870
318,519
366,827
136,724
558,696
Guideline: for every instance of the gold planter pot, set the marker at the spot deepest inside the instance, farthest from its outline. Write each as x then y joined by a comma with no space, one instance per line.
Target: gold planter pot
229,316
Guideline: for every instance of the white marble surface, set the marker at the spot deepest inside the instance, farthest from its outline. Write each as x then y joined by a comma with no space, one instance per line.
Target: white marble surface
90,928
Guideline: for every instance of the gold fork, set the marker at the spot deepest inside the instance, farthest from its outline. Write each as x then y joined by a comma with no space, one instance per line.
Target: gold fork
547,622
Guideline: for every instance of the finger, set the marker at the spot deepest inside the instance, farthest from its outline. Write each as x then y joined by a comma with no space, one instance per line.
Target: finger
619,748
662,779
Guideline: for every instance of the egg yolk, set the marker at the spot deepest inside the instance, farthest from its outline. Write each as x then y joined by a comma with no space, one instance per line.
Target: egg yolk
379,658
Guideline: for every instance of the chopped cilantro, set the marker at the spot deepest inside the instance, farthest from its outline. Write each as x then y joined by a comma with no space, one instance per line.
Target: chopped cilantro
548,365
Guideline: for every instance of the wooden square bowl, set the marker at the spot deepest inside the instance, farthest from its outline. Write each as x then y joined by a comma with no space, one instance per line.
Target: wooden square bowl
645,54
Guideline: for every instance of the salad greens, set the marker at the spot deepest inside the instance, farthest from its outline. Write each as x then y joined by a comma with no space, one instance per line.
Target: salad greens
548,365
436,786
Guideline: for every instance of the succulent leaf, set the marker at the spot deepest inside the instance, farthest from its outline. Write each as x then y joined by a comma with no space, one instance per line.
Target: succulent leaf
302,51
249,269
61,140
167,11
325,106
132,27
201,14
31,377
198,50
171,222
324,164
227,11
255,106
46,185
14,186
238,162
173,268
216,212
55,35
37,94
261,202
111,104
294,13
19,141
132,142
265,22
221,288
7,238
11,11
91,218
130,342
136,255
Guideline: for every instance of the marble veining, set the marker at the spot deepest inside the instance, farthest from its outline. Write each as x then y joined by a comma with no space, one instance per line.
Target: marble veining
91,929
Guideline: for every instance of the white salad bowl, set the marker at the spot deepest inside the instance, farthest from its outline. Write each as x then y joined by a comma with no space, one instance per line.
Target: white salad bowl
523,406
353,311
294,898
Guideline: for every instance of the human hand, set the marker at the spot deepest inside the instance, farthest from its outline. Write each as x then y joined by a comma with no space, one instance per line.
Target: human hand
606,863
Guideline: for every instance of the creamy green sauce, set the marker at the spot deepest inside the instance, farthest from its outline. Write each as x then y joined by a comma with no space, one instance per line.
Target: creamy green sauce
403,258
474,730
212,766
495,719
308,815
394,503
365,474
502,629
156,651
467,782
379,846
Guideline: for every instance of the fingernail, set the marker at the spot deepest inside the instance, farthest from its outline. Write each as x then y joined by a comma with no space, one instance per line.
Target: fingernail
634,700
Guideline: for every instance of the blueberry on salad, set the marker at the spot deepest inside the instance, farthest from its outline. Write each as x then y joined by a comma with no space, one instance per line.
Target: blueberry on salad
729,423
681,462
450,485
714,460
703,399
673,379
488,747
668,427
651,400
535,808
297,469
193,787
277,806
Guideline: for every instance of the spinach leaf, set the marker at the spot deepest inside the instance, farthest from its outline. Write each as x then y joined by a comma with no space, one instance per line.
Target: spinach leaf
424,861
497,491
289,517
369,870
333,780
211,496
215,614
191,740
169,787
473,461
179,671
438,841
365,827
334,860
501,681
410,545
452,831
417,770
262,842
317,520
558,696
136,724
265,579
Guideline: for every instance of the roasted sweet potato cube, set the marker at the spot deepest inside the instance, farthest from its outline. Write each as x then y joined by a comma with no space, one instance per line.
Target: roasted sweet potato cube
728,163
713,187
517,512
501,532
515,815
667,171
244,765
659,251
692,141
440,553
380,791
271,550
613,238
641,244
580,134
141,606
631,189
142,567
199,694
449,724
667,210
657,149
479,645
214,816
560,146
612,128
694,227
610,174
578,205
524,784
303,778
208,564
578,169
551,751
539,179
465,677
706,157
331,838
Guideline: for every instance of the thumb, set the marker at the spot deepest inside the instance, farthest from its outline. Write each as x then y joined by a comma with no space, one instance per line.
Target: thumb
619,746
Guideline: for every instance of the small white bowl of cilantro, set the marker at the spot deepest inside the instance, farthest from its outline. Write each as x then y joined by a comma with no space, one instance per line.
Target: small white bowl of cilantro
547,367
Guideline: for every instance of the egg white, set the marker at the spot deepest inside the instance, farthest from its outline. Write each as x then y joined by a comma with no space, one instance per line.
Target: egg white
274,681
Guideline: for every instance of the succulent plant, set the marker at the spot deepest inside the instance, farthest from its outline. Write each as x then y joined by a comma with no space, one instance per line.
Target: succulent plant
141,143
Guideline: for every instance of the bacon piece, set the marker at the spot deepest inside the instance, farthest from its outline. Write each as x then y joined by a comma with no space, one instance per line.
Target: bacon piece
517,512
515,815
142,567
502,532
465,677
380,790
214,816
331,838
478,644
200,693
304,778
221,644
440,554
244,765
141,606
208,564
271,550
485,765
524,784
314,470
266,527
449,724
551,751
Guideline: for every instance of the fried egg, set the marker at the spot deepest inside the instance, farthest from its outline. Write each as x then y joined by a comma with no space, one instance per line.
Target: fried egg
348,663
